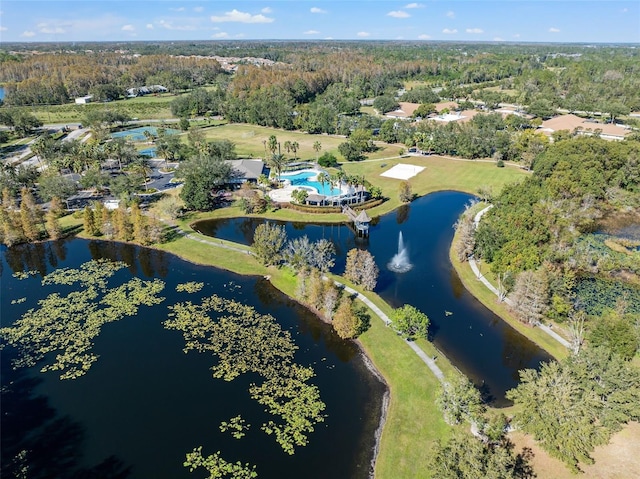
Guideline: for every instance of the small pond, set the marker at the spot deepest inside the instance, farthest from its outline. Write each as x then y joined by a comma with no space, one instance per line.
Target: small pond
144,404
478,342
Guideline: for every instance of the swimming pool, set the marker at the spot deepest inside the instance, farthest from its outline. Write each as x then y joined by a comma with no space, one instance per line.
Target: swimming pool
137,134
302,179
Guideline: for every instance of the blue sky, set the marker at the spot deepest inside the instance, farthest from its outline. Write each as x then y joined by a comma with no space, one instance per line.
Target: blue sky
457,20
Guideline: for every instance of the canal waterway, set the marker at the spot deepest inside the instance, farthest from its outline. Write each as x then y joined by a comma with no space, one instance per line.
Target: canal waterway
479,343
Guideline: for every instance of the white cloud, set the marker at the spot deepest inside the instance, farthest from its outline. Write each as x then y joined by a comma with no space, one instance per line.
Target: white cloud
198,9
50,29
450,14
220,35
448,31
239,35
554,30
498,39
398,14
414,5
363,34
475,30
28,34
128,28
317,10
3,29
424,36
267,10
328,38
624,10
170,26
150,26
311,32
179,9
240,17
517,35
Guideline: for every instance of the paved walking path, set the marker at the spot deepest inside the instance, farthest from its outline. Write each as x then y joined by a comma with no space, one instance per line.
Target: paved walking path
421,354
430,362
218,244
480,276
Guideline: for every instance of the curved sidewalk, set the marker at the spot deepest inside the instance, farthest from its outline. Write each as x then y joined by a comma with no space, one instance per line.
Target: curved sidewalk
421,354
480,276
430,362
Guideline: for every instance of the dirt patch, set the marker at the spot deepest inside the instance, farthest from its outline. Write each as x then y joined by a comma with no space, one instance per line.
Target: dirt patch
620,459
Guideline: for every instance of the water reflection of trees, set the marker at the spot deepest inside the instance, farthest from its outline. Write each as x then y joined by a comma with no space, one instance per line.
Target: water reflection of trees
35,256
520,353
402,213
152,262
457,288
34,437
308,323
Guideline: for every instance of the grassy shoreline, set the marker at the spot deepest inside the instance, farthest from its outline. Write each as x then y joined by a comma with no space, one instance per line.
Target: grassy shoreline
411,417
488,299
413,421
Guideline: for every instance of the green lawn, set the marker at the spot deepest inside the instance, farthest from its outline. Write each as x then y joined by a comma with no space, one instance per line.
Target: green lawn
249,141
144,108
414,422
439,174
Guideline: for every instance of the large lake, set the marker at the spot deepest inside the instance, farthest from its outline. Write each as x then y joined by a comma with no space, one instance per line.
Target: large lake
144,404
478,342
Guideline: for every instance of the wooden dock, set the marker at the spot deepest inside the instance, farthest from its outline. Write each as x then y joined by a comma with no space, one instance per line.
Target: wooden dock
360,220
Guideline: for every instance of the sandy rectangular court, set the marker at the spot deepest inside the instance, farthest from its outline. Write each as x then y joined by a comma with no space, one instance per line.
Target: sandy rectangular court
402,171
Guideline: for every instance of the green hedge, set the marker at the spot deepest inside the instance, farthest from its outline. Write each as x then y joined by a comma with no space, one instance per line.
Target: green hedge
331,209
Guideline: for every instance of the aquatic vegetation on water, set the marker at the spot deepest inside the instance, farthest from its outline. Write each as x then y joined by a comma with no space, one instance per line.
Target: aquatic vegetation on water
236,425
217,467
246,341
67,325
189,287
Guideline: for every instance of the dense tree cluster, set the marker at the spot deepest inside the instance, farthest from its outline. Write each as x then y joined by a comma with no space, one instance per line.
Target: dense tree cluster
56,78
575,405
331,303
28,222
465,457
271,247
539,230
206,173
122,224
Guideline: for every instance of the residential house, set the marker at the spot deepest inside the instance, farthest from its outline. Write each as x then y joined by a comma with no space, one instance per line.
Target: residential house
584,126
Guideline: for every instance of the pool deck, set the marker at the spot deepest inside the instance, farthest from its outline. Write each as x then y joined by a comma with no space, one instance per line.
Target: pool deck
283,195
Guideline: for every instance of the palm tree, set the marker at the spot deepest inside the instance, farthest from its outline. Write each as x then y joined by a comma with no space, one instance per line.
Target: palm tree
360,181
273,144
323,179
294,147
44,147
149,136
141,166
287,146
317,146
278,162
122,151
263,182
